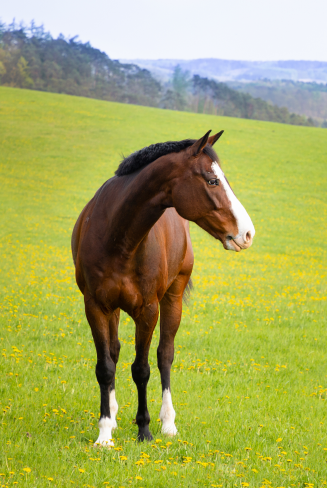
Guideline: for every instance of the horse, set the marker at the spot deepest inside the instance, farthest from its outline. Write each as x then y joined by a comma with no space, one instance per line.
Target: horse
132,251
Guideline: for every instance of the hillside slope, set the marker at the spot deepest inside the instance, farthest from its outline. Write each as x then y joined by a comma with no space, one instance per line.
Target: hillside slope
32,58
249,374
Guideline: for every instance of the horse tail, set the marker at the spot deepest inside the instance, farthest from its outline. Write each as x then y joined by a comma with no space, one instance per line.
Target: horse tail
187,291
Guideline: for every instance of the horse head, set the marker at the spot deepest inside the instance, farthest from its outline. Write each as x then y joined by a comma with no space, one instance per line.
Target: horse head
201,193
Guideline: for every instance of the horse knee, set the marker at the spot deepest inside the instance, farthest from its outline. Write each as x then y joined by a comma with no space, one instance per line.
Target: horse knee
165,355
105,371
140,373
114,351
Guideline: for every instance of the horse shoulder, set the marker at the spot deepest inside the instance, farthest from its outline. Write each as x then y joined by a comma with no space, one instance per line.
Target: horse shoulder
178,254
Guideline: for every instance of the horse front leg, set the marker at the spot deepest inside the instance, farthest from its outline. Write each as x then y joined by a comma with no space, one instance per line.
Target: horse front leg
145,325
170,317
114,353
105,367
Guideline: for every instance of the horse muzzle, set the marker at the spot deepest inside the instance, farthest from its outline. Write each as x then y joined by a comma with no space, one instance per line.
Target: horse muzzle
240,242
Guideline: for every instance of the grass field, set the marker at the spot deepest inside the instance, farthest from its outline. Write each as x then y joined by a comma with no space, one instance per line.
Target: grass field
250,381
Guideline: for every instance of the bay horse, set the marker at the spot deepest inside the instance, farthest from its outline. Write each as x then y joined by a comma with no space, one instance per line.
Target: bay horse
132,251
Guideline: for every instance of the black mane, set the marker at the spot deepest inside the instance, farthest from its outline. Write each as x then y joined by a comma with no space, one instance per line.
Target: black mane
143,157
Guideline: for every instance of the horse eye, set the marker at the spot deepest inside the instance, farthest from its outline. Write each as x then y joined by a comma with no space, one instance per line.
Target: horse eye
214,181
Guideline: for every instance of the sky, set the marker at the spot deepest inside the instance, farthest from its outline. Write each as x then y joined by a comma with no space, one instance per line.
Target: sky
254,30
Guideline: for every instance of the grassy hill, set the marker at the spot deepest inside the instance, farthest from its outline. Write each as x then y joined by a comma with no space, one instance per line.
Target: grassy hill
249,383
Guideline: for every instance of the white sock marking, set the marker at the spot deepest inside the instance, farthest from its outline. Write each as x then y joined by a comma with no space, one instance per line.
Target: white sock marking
105,426
167,414
244,223
113,405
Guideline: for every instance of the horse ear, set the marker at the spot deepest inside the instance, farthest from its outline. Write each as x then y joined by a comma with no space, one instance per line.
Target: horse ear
200,144
213,139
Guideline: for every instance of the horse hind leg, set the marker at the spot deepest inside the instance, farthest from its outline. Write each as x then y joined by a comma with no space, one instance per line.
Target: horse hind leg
105,367
170,317
145,325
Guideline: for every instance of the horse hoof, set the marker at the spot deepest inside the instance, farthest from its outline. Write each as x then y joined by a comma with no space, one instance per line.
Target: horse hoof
103,443
169,430
144,436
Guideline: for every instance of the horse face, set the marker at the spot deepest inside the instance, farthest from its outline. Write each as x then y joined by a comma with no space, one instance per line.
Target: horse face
205,197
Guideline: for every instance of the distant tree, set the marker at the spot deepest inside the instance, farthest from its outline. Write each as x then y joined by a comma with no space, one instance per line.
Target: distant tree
180,85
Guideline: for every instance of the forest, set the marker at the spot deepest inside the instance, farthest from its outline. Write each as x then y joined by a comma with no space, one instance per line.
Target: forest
306,98
31,58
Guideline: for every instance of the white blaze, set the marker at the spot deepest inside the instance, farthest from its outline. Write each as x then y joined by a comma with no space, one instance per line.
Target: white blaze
244,223
167,414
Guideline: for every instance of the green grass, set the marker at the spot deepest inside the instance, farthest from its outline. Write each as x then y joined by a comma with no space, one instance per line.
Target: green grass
249,382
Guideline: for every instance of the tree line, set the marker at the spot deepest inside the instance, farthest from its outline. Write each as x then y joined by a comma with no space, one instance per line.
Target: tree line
306,98
31,58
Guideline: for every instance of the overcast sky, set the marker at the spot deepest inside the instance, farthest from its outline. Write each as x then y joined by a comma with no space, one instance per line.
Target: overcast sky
185,29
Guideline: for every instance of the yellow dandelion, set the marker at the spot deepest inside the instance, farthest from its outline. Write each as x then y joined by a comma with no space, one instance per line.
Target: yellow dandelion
27,470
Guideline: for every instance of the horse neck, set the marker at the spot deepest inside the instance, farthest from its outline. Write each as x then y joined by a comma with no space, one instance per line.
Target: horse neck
145,200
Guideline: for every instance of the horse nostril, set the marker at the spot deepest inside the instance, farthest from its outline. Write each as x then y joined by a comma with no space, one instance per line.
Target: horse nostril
248,236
